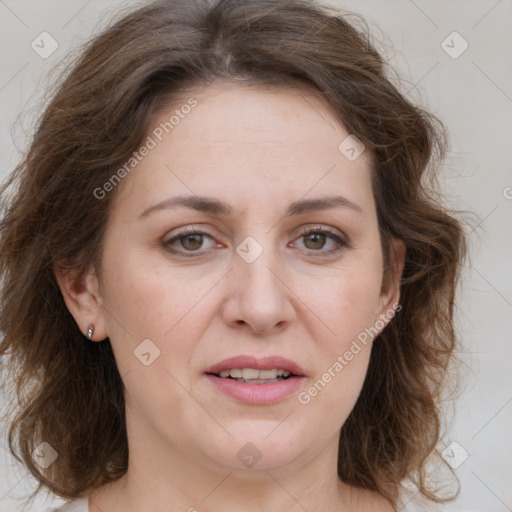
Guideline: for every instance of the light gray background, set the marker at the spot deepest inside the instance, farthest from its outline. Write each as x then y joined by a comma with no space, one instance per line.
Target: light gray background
473,96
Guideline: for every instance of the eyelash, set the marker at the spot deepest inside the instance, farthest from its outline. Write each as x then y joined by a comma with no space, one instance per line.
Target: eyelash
341,243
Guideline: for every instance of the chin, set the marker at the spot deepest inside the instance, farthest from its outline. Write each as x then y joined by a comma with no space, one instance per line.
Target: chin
265,448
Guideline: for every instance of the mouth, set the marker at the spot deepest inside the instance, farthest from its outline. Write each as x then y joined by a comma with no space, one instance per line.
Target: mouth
256,381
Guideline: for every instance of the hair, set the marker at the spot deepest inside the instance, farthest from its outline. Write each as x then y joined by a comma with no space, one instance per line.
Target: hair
69,392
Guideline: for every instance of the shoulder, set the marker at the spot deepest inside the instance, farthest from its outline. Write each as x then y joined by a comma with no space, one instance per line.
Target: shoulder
78,505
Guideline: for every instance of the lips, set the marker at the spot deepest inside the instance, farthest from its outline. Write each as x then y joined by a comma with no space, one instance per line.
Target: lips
255,390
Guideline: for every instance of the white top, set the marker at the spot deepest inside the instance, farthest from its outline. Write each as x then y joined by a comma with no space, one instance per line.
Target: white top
409,501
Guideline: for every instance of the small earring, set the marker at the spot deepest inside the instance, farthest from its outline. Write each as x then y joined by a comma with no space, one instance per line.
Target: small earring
90,330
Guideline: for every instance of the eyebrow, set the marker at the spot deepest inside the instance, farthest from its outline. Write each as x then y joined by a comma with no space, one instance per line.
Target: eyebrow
216,207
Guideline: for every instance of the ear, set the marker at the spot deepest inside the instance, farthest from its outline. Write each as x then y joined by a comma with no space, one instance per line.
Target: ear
81,294
390,288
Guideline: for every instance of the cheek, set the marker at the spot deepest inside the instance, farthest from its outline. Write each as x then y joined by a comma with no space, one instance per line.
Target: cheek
354,309
148,299
342,356
347,303
155,302
144,303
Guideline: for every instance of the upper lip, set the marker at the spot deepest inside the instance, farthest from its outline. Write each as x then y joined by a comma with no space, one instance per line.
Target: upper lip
258,363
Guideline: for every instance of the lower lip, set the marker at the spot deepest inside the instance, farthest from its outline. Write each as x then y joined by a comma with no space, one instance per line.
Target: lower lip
257,394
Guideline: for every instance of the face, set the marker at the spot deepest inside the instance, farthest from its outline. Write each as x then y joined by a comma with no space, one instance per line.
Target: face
245,241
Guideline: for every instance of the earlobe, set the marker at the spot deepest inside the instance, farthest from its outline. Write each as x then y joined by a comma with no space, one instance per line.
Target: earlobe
390,290
80,293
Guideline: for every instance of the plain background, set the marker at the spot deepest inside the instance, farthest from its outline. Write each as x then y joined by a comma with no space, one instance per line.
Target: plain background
470,92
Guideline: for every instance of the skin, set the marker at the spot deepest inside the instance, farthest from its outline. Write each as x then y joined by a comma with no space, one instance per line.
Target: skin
257,150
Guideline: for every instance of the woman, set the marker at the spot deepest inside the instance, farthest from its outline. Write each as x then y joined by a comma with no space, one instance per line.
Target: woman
227,282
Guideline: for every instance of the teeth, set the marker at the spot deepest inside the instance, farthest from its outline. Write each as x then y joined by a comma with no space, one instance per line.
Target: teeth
251,373
266,374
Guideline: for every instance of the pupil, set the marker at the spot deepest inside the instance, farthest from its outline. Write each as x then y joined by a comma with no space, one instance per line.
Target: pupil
193,241
318,240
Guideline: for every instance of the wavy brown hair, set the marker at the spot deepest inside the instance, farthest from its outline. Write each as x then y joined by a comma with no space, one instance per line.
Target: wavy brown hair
68,391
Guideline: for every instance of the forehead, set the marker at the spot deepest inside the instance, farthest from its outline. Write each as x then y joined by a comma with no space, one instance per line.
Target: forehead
228,112
240,138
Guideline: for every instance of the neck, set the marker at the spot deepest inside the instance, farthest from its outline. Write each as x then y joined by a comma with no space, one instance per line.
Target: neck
166,476
175,481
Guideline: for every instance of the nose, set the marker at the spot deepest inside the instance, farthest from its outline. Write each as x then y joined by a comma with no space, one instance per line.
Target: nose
258,298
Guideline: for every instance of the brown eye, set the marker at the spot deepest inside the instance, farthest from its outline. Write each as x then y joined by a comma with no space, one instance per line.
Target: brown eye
315,241
321,242
191,242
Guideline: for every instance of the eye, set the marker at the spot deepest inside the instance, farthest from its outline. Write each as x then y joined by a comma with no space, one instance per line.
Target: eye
192,242
189,240
322,240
